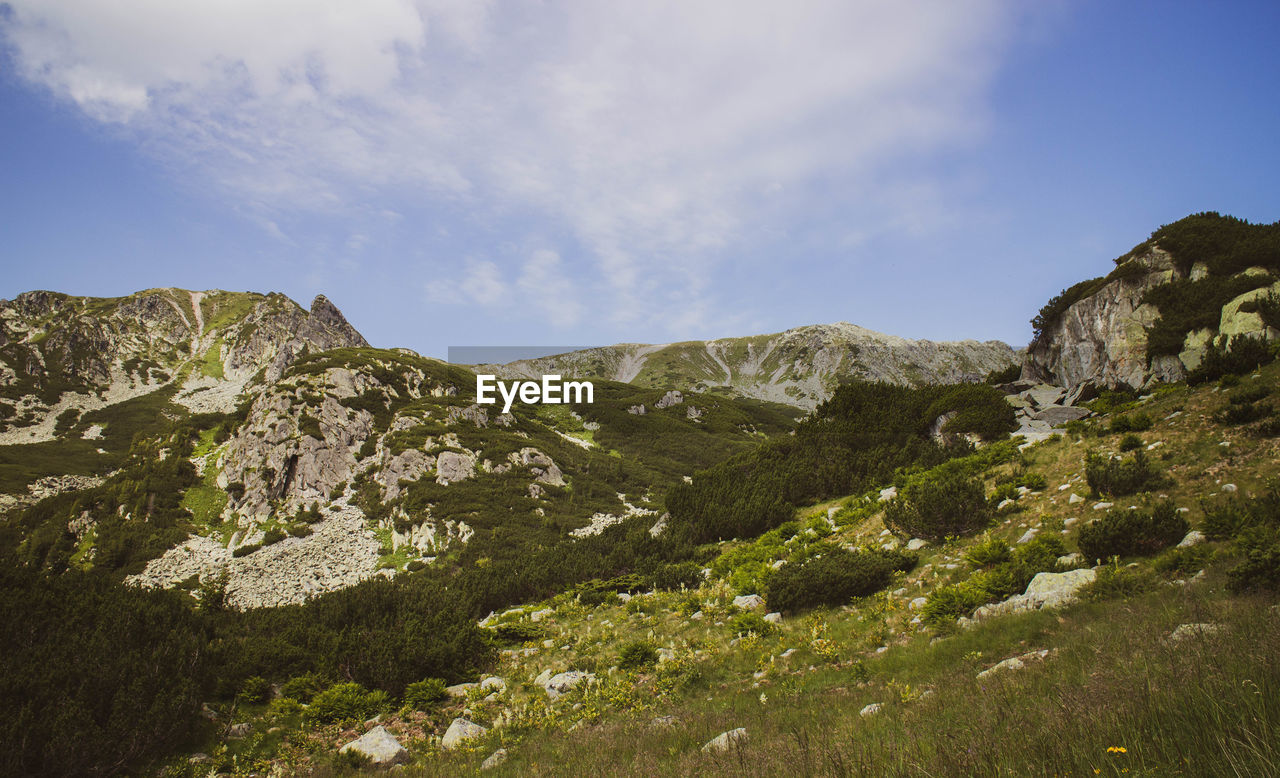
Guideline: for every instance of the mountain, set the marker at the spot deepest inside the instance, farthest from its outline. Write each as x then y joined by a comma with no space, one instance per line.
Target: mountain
799,367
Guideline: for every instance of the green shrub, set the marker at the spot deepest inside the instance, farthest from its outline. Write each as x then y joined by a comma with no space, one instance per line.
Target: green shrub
1243,414
1116,582
1269,428
939,506
1260,570
255,690
677,575
1005,491
1133,532
246,549
992,551
303,687
1036,482
834,578
1182,561
1003,375
1117,476
1240,354
273,535
951,601
747,622
423,695
346,703
1249,395
641,654
1130,443
1132,422
517,632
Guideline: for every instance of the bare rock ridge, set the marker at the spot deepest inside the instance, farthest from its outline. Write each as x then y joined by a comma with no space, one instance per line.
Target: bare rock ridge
799,367
1104,338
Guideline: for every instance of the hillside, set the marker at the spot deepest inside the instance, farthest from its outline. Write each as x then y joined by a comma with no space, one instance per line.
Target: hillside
887,671
798,367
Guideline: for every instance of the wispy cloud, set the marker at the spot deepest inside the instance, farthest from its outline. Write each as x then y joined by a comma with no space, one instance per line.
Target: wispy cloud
657,138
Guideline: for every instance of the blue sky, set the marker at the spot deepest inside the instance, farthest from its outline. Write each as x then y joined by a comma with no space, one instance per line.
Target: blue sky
522,173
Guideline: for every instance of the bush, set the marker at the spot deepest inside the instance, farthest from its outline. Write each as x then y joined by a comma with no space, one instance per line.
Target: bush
748,622
345,703
1130,443
677,575
1132,422
1241,354
951,601
1243,414
834,578
518,632
1117,476
1133,532
303,688
640,654
939,506
1182,561
1003,375
424,695
1116,582
992,551
255,690
246,549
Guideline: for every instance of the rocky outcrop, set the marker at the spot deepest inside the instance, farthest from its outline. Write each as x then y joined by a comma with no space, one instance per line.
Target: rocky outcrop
380,746
1103,338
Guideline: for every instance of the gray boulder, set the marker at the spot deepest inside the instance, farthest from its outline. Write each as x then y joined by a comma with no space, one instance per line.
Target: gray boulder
380,746
563,683
726,740
460,731
494,759
1060,414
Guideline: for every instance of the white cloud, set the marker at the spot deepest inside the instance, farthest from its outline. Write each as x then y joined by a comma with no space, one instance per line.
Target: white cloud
481,283
545,284
658,137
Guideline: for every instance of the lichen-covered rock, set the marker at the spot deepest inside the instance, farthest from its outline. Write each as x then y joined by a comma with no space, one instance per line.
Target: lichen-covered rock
380,746
725,741
460,731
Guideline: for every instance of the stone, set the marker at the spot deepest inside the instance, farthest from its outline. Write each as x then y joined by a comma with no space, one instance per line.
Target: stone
239,730
1193,538
870,710
917,603
662,721
460,731
1074,499
673,397
1028,536
1229,488
1193,630
1235,322
748,602
1061,414
460,689
1074,559
1044,394
453,466
773,618
667,655
1102,506
888,493
1082,393
725,741
915,544
380,746
493,683
1015,662
539,615
1046,590
563,683
494,759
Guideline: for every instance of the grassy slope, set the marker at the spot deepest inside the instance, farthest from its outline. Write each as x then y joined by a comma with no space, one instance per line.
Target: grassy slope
1206,706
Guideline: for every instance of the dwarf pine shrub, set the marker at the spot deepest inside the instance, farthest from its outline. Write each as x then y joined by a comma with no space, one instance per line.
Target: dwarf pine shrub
346,702
423,695
834,578
1133,532
1118,476
939,505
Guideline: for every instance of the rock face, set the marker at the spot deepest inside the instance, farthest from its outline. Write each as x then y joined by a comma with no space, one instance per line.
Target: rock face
380,746
799,367
1103,338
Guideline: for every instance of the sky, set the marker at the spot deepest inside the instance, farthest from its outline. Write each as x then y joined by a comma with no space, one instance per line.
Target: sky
527,173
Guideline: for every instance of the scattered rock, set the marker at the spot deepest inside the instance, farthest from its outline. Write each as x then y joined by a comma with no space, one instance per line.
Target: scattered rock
888,494
460,689
1194,630
493,683
1074,559
663,721
1229,488
562,683
459,732
1193,538
773,618
239,730
381,747
1102,506
870,710
918,603
748,602
1015,662
1074,499
1046,590
915,544
494,759
726,740
1028,536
